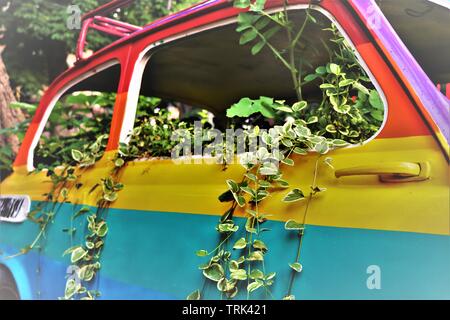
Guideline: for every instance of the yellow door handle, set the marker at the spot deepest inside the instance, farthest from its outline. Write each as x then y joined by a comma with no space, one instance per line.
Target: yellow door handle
390,171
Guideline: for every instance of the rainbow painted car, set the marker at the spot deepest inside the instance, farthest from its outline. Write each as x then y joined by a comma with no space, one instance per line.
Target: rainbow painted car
386,211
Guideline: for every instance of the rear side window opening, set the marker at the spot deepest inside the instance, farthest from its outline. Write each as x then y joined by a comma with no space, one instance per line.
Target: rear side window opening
77,129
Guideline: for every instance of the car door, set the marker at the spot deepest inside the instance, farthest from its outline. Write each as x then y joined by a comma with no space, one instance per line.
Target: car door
167,211
381,228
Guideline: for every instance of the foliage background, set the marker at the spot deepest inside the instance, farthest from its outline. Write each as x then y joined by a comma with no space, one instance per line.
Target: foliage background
37,40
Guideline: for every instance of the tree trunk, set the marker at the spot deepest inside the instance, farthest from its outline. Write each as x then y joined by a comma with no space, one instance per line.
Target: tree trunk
8,117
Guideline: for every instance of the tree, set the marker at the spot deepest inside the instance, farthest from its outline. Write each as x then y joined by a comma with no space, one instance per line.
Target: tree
9,117
37,39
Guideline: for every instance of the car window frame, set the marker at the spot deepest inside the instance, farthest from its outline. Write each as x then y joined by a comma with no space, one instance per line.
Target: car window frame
59,94
145,55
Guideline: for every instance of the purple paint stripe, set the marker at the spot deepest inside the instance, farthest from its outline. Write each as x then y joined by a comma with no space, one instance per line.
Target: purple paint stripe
434,101
181,14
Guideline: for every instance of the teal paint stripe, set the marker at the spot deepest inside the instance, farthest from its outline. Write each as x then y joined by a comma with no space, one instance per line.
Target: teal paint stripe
412,265
155,251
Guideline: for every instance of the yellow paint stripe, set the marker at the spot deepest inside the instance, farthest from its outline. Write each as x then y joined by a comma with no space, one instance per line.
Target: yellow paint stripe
355,202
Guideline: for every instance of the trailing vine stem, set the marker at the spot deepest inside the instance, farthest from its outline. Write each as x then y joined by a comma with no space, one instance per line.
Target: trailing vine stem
85,257
301,232
330,123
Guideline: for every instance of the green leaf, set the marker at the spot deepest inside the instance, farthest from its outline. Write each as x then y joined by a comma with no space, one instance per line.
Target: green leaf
201,253
300,151
283,183
72,287
240,260
214,272
361,88
299,106
64,192
288,161
334,68
248,36
353,134
294,195
258,5
331,128
287,142
271,32
258,47
227,227
78,254
264,184
70,250
270,276
310,77
240,244
346,82
233,186
284,109
296,266
194,295
110,196
321,70
246,19
377,115
322,147
334,100
312,119
240,201
239,274
249,225
339,143
24,106
204,266
241,109
262,23
293,225
289,297
86,273
326,86
344,109
258,244
255,256
248,190
102,229
375,100
77,155
256,274
268,170
119,162
254,286
233,265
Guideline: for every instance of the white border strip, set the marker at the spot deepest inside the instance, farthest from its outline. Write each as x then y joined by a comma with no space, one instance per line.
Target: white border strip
444,3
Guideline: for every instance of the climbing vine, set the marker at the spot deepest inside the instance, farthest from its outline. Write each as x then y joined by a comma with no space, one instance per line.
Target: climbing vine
306,126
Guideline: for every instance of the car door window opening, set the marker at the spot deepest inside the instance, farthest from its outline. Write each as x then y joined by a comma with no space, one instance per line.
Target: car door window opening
214,73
